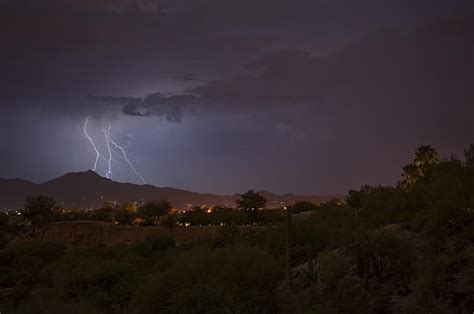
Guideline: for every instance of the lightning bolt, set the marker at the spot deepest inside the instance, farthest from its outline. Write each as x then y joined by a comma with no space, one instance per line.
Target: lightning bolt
124,156
112,147
98,155
106,132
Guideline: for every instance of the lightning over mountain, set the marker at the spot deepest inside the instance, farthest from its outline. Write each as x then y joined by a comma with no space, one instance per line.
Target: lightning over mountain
112,147
124,156
106,132
98,155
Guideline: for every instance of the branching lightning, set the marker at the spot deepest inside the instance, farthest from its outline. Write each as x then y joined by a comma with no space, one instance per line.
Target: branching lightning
98,155
108,174
124,156
112,147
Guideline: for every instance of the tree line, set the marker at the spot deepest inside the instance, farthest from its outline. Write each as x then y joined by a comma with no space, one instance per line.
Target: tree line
250,209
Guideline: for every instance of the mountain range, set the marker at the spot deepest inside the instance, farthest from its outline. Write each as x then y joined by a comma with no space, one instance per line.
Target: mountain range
90,190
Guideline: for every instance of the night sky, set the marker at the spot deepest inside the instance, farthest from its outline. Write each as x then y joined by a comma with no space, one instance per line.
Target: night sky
309,96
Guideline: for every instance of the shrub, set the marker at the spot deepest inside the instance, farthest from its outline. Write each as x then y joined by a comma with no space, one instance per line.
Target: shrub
154,244
303,206
40,209
389,255
202,280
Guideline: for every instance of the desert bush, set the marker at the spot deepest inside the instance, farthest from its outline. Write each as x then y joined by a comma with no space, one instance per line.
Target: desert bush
389,254
271,216
428,283
154,244
333,226
47,304
40,209
303,206
340,291
271,239
3,219
169,221
101,214
72,215
124,217
227,235
21,266
109,284
224,280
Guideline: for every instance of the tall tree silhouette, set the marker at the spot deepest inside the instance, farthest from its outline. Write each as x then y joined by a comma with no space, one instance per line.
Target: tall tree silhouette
425,158
251,202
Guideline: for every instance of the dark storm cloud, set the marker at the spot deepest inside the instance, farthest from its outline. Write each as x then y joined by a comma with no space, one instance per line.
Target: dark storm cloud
426,66
117,6
57,51
121,5
280,78
113,100
165,107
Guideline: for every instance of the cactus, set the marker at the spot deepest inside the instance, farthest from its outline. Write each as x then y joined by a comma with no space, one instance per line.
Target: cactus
363,266
311,273
288,245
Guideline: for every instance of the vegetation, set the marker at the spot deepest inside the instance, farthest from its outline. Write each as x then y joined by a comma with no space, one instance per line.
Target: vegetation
251,202
152,211
225,216
39,209
406,248
303,206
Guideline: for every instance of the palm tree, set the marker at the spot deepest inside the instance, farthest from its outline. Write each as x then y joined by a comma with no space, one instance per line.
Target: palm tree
425,158
410,175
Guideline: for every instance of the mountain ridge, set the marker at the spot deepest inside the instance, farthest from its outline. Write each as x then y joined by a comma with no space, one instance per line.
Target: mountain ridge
87,189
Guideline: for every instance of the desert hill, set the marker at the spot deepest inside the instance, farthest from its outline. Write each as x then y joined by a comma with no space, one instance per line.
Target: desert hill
90,190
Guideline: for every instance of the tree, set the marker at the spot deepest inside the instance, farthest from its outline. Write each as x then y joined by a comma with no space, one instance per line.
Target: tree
469,181
251,201
126,213
152,211
356,199
469,156
447,194
101,214
129,207
39,209
303,206
168,221
3,219
410,176
426,158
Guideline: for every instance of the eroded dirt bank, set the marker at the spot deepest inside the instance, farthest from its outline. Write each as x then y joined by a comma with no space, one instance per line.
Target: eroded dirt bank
93,233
